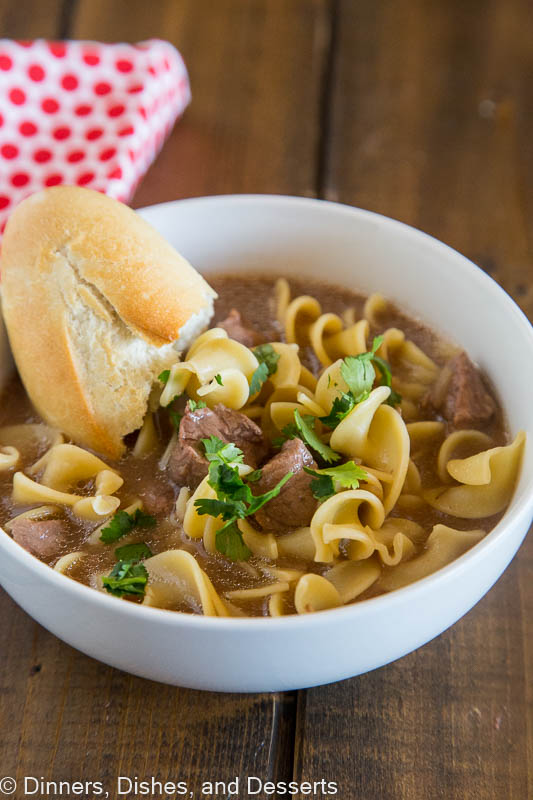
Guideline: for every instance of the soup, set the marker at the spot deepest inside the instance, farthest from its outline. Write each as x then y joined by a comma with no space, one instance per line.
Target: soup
314,448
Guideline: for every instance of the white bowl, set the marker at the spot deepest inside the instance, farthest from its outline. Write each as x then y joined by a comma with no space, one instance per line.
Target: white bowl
364,251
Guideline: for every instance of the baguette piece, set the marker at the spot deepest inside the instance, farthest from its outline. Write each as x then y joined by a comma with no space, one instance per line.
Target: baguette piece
96,304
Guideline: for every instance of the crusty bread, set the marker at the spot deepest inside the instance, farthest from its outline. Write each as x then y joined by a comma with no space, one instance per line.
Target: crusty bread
96,303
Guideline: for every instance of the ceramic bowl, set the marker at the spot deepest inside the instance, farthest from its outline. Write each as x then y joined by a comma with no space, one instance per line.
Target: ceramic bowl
365,251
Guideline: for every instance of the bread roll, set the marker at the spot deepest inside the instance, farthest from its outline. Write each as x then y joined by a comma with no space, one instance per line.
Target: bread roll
96,304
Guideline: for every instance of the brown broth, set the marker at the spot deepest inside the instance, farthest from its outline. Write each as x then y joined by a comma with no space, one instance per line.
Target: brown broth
254,297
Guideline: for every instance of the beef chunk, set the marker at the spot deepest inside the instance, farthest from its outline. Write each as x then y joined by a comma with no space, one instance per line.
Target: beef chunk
295,504
188,466
157,497
239,329
45,538
466,402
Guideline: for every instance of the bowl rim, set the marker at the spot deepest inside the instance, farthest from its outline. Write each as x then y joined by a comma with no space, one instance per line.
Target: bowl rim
522,508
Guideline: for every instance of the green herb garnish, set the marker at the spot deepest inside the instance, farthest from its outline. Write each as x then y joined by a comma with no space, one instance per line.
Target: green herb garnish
302,429
196,404
268,364
346,475
359,374
164,376
229,541
234,497
218,379
122,523
125,578
133,552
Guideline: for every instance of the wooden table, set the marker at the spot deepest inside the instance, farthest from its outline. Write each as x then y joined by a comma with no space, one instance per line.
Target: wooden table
419,109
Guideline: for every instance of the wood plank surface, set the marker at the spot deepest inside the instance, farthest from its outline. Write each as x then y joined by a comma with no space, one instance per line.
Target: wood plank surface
253,126
431,122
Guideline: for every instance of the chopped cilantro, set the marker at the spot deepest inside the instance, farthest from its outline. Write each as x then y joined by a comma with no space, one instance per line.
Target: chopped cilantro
322,487
225,452
122,523
133,552
225,509
308,435
230,543
342,405
268,364
164,376
125,578
254,476
234,497
258,378
194,405
359,375
218,379
347,475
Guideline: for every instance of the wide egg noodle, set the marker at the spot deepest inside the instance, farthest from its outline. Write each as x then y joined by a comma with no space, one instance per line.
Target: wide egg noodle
488,480
9,457
175,579
473,440
443,546
352,578
213,354
376,434
315,593
67,465
344,516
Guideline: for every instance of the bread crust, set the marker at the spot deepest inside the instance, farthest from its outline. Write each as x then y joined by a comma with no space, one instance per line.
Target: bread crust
68,251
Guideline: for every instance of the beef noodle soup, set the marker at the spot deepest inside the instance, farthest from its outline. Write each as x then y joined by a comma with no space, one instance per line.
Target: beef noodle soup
312,449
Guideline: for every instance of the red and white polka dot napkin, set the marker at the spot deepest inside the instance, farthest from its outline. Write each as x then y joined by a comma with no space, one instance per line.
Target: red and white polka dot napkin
84,113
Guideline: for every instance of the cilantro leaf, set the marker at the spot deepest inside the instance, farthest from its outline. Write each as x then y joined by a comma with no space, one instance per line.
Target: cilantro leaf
228,483
341,407
308,435
359,374
347,475
268,364
258,378
126,578
133,552
394,399
218,379
164,376
234,496
122,523
194,405
229,542
254,476
225,452
226,509
322,487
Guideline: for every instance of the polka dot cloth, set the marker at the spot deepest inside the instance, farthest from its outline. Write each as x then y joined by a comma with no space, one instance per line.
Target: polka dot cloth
84,113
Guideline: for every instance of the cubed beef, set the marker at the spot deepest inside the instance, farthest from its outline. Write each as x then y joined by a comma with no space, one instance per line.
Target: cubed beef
157,496
239,329
188,465
465,402
295,505
45,538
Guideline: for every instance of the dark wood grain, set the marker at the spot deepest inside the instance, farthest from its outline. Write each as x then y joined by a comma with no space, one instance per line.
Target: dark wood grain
431,122
256,70
31,19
